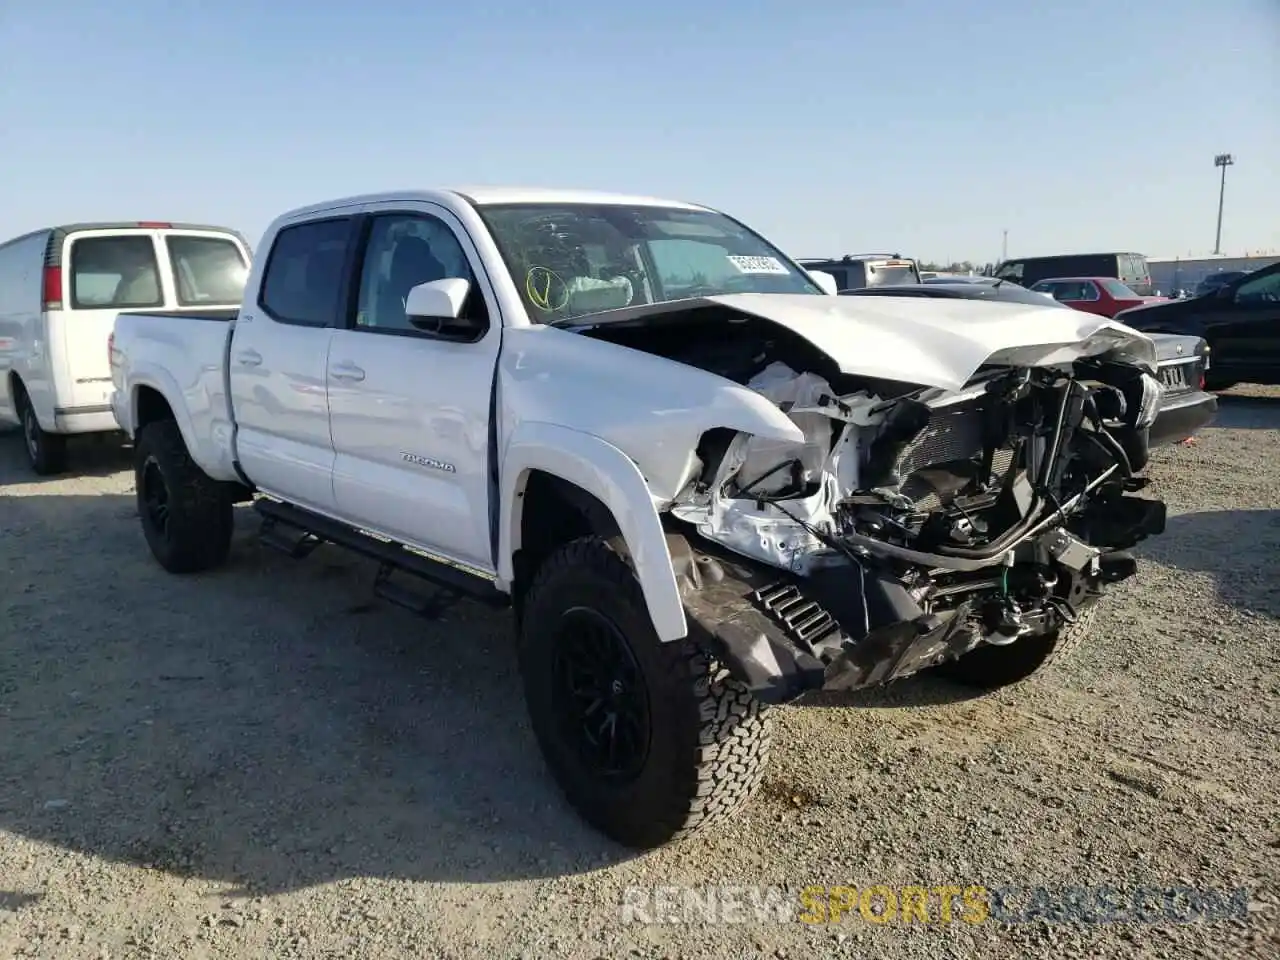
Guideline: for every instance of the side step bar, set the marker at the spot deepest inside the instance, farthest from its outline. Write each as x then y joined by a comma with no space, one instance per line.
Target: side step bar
297,532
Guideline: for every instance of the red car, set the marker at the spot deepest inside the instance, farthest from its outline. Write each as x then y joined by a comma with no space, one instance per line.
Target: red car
1105,296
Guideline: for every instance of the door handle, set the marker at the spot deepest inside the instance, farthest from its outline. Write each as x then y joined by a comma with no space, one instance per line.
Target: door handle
249,358
346,371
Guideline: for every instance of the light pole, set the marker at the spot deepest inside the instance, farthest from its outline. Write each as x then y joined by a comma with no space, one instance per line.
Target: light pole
1222,160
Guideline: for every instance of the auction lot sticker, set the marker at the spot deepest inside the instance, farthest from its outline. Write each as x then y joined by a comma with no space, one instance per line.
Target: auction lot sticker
758,265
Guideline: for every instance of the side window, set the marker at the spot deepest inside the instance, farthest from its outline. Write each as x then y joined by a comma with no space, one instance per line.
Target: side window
302,283
1264,289
404,250
1070,290
115,273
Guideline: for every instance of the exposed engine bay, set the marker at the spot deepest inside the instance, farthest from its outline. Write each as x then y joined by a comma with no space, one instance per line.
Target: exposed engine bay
913,523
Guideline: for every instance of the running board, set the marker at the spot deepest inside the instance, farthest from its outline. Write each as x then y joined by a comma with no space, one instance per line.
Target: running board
304,531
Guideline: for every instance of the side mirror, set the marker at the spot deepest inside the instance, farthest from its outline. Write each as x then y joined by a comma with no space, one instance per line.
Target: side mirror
1225,292
826,281
436,301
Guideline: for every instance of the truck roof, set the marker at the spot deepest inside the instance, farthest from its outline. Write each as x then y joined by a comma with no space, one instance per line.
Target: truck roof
62,229
486,195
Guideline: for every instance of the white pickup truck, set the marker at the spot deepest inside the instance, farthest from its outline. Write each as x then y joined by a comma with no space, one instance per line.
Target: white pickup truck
704,485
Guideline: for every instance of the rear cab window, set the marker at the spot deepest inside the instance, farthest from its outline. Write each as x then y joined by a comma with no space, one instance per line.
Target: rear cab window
1118,290
302,282
882,272
115,273
208,269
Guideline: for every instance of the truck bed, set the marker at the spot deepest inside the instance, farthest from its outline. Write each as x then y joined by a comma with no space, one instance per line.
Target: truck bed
225,314
156,350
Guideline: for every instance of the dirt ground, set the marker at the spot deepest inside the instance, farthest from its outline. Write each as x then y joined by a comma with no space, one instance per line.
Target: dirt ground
266,761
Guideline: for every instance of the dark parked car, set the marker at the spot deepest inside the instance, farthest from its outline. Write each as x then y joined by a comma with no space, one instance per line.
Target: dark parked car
960,290
962,278
1184,361
856,270
1240,320
1215,280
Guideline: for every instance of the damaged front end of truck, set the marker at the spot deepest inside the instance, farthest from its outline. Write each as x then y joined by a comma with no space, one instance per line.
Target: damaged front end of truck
914,524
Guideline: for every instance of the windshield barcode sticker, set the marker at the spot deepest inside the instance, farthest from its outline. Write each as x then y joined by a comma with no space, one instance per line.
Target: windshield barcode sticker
758,265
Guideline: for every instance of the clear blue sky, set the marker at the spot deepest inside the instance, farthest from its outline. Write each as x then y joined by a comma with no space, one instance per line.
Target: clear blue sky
921,126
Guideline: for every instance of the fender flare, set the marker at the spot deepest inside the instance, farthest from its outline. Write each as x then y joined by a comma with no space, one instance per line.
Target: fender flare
604,471
162,383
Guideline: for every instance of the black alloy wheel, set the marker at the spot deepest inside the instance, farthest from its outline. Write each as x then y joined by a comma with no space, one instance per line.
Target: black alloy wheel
601,702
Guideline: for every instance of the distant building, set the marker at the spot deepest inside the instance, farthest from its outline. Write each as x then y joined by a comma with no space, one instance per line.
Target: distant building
1169,275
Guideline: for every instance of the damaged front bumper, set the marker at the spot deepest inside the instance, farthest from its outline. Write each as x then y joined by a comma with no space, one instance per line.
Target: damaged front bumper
848,625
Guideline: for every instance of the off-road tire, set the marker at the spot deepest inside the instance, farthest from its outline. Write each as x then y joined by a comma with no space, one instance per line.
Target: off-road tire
990,667
47,452
709,738
197,535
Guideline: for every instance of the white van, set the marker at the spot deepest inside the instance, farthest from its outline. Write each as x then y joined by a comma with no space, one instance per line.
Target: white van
60,291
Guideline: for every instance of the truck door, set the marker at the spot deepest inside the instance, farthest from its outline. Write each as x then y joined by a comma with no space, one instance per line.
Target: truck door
279,357
410,409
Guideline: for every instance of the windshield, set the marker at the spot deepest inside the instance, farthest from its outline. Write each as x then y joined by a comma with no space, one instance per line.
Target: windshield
569,260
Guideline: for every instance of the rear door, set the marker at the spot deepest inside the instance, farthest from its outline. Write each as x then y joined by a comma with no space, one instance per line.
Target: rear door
112,270
1135,274
279,355
104,272
208,268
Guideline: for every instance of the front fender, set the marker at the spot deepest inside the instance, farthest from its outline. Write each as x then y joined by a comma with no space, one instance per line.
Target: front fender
604,471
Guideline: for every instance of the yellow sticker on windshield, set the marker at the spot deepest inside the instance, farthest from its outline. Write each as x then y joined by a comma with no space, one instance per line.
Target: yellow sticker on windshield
545,289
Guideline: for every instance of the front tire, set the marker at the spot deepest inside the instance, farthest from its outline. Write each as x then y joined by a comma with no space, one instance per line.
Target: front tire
186,516
991,667
649,741
46,451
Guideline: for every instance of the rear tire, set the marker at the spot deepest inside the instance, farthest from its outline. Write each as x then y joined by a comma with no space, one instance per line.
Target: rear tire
186,516
990,667
687,744
46,451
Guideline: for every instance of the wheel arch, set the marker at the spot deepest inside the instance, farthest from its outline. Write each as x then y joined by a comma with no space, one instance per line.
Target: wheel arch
149,402
41,403
558,484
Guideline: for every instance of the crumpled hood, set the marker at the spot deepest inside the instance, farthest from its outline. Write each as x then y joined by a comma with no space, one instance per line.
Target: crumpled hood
934,343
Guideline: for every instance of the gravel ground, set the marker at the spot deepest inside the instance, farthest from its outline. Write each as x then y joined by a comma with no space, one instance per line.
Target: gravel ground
266,761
